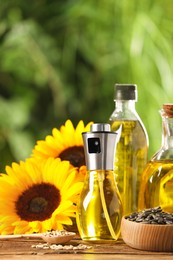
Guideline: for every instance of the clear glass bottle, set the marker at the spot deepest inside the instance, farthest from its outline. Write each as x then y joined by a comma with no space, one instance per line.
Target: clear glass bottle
99,209
132,148
157,179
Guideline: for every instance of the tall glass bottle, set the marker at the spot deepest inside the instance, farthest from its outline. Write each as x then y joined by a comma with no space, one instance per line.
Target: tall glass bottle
157,179
132,147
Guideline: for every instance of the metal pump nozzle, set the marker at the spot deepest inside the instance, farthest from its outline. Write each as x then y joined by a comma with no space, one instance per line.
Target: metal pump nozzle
99,147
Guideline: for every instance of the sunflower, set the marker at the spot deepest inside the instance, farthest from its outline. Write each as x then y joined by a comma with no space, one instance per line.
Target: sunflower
34,198
66,143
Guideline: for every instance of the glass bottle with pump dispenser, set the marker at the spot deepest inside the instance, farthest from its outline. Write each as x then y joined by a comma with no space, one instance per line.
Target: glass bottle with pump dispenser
157,179
132,147
99,209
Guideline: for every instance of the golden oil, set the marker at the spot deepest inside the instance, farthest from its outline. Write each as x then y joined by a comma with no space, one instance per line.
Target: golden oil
132,145
99,209
157,179
130,160
157,186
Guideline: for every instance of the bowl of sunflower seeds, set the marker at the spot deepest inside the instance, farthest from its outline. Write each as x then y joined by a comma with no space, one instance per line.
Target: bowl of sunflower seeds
149,229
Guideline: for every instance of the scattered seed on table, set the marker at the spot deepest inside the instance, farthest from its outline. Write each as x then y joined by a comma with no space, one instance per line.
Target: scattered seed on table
61,247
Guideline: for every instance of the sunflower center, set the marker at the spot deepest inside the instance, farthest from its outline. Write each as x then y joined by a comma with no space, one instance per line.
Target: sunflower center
75,155
38,205
38,202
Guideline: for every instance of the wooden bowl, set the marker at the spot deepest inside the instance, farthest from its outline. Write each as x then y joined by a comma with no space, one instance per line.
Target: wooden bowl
149,237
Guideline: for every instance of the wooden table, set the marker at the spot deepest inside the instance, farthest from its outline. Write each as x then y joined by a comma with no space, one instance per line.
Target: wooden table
22,248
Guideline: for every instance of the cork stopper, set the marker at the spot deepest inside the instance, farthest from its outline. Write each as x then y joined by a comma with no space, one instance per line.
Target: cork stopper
167,110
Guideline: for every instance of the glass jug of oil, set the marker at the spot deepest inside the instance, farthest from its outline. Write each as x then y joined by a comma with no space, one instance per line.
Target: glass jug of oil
157,179
99,209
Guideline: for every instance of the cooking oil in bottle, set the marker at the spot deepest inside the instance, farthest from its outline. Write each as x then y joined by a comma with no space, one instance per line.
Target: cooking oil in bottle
99,210
157,179
132,147
130,160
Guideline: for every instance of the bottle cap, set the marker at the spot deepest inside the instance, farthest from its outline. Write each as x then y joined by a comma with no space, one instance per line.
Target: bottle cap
167,110
125,92
99,147
100,127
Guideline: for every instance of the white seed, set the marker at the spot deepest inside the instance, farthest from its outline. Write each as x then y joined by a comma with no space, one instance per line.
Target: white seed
57,233
61,247
45,247
53,246
39,246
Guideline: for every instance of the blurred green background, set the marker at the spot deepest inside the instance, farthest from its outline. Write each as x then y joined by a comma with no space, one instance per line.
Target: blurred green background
60,59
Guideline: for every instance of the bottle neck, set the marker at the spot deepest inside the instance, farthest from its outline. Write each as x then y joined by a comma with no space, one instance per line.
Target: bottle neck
125,109
123,105
167,132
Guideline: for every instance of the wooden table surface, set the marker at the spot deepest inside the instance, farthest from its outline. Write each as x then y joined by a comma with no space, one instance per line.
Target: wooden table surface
22,248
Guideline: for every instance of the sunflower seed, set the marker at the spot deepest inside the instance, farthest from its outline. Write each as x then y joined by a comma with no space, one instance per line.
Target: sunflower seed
57,233
61,247
151,216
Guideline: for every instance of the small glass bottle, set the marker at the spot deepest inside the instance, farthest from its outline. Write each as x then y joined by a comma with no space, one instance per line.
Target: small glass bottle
132,148
99,210
157,179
